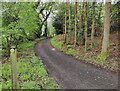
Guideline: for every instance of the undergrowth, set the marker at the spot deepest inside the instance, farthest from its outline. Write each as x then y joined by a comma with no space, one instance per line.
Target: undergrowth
59,46
91,57
31,73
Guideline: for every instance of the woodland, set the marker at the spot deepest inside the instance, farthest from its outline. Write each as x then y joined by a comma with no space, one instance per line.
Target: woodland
84,30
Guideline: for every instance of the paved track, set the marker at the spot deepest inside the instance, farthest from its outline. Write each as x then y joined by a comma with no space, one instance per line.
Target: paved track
70,73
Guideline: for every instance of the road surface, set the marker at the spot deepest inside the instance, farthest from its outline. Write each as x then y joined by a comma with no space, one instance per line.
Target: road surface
70,73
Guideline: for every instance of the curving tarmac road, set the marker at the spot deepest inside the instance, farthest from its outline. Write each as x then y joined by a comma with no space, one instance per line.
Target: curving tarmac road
71,73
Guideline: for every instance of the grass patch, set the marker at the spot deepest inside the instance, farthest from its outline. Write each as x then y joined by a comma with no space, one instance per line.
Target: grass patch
27,44
92,56
71,51
57,44
101,58
60,45
31,73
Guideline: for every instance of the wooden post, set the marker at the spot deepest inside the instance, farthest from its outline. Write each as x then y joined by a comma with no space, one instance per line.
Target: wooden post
13,57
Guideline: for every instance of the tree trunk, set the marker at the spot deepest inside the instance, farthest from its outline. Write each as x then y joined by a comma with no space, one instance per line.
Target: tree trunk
45,33
69,27
85,32
100,25
105,43
75,36
93,25
99,15
65,28
81,22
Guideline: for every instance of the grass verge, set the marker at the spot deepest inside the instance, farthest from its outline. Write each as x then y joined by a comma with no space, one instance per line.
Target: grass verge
59,44
90,57
31,73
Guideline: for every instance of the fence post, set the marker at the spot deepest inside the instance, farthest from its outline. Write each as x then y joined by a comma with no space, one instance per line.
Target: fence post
13,58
